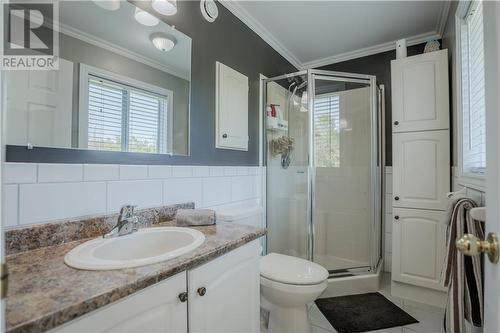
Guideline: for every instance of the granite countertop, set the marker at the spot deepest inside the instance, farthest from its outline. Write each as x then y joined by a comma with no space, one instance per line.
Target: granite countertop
44,292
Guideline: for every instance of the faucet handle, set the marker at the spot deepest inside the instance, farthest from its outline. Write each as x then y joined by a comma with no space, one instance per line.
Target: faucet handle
127,211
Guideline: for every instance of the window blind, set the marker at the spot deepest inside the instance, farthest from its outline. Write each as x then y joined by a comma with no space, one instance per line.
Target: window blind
125,118
105,115
327,131
473,105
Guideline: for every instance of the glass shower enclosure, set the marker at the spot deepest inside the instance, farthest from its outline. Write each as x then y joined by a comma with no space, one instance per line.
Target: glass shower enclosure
324,169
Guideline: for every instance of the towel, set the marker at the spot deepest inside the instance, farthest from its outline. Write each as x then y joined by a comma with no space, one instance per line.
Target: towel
462,275
194,217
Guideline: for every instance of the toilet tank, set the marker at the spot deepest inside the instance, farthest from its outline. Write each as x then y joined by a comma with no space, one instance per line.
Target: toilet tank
250,215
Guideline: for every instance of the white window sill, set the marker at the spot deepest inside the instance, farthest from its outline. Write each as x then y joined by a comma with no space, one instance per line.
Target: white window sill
476,183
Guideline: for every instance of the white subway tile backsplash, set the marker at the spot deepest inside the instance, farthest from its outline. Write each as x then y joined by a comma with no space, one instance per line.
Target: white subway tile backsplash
201,171
254,171
98,172
129,172
10,205
45,202
38,193
216,191
216,171
56,172
142,193
243,171
231,171
243,188
19,173
182,171
178,190
159,171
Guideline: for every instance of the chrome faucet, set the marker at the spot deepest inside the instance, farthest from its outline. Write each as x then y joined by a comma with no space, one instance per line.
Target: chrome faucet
127,223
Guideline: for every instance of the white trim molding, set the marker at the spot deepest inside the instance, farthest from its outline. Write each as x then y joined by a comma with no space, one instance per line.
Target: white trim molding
241,13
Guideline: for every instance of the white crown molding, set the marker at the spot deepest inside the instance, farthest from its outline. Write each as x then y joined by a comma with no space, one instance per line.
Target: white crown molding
388,46
94,40
443,17
242,14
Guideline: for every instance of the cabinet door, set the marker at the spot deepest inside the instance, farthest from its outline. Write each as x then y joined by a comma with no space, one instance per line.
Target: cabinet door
418,247
231,109
155,309
420,99
232,300
421,169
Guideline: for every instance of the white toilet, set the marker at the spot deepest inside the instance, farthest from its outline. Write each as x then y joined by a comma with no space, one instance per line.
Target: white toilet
287,284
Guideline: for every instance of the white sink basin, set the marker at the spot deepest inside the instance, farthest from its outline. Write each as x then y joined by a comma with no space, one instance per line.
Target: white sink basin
144,247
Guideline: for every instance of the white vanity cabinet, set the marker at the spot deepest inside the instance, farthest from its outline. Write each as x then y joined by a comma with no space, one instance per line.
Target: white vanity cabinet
230,301
155,309
224,294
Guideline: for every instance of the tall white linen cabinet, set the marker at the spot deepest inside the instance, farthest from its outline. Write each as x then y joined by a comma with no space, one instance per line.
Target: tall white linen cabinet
421,175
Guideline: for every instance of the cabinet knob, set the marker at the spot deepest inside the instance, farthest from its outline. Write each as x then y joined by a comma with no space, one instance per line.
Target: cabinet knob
224,136
183,297
396,217
396,198
396,123
202,291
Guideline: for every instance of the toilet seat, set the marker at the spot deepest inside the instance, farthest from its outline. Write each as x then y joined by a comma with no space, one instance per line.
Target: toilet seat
289,270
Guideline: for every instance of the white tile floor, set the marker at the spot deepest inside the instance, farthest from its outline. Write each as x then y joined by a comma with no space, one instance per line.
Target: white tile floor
430,318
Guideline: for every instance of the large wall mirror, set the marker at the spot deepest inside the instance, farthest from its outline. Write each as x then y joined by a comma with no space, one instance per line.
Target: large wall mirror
123,85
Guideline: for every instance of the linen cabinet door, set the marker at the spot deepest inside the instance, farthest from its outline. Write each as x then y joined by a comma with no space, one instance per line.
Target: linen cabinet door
420,99
419,245
156,309
224,294
421,169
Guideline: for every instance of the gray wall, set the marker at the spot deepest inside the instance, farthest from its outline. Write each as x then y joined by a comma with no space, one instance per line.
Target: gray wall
78,51
227,40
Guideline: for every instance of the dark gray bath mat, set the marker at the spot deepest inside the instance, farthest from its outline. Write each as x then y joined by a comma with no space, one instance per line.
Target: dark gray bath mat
362,313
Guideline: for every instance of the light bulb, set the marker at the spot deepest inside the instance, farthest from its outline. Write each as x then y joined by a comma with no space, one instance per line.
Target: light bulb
145,18
165,7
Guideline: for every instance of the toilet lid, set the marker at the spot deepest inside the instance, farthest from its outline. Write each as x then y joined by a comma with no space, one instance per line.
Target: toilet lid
291,270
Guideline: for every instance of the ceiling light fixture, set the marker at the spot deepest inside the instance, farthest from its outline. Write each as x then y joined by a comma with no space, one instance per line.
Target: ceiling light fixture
145,18
165,7
163,42
108,4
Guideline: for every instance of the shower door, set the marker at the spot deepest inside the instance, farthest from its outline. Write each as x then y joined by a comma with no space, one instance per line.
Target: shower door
287,176
322,169
344,171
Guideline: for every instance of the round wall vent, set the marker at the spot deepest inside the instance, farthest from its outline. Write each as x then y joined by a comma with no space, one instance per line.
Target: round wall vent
209,10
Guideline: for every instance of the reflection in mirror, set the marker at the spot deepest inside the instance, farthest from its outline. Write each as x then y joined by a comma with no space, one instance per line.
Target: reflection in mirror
121,85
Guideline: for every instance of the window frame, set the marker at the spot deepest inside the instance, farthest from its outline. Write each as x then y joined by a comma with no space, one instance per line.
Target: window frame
83,101
463,178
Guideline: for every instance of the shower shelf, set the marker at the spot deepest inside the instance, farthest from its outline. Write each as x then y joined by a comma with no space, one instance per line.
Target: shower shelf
276,124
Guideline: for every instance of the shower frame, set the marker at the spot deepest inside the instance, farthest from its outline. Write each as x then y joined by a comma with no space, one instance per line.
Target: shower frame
377,120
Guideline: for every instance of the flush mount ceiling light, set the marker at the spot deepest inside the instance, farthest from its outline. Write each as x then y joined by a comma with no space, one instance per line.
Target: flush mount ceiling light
209,10
145,18
163,42
108,4
165,7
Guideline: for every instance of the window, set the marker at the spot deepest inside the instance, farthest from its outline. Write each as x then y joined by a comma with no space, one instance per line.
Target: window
327,131
123,114
472,104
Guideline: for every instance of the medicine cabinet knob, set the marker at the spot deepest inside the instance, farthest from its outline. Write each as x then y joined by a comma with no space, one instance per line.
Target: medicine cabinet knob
224,136
396,123
396,198
396,217
202,291
183,297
